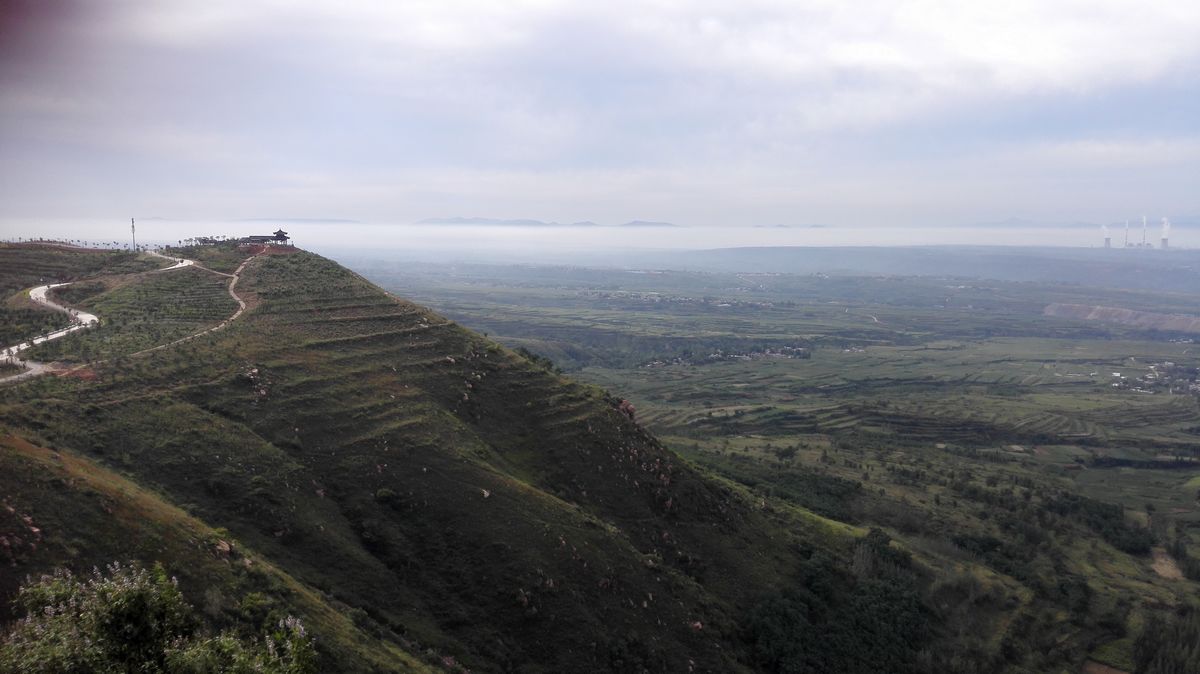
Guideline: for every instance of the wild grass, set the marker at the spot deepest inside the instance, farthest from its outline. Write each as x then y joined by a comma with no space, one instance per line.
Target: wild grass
23,266
140,313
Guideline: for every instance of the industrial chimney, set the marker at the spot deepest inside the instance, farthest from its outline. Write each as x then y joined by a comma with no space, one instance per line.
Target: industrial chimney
1166,232
1107,239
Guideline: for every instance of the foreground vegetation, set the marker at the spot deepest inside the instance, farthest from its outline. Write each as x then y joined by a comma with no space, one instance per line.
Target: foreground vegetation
130,619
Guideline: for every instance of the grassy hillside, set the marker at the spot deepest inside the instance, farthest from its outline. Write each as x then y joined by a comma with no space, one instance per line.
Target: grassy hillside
23,266
456,495
139,312
63,509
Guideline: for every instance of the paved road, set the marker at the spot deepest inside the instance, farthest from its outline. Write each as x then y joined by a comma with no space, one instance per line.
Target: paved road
179,262
82,320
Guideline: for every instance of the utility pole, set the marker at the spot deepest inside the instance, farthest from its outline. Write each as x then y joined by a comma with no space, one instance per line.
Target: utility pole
133,231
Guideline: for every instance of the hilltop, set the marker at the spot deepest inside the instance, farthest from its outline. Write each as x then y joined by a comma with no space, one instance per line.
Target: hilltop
340,452
529,222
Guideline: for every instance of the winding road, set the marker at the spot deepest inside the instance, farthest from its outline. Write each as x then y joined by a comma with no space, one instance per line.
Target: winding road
82,320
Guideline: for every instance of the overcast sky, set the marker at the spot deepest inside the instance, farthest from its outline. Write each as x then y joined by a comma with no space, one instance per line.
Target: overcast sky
740,112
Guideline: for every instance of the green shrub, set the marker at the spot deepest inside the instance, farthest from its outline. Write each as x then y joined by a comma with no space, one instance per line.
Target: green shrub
130,619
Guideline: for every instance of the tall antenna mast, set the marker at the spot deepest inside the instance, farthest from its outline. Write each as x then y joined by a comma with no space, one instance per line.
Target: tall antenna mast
133,232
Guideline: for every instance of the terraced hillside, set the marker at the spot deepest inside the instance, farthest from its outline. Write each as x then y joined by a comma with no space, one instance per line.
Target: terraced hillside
26,265
139,312
456,496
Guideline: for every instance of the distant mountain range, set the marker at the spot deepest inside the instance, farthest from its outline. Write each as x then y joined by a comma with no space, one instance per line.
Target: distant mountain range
526,222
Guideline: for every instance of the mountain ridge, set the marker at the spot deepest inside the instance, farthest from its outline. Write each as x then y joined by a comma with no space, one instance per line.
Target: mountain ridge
454,493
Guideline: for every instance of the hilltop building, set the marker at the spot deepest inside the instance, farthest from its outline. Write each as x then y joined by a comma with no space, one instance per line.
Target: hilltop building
280,237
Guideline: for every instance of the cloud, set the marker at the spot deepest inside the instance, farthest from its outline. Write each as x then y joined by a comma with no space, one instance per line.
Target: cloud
658,109
1107,154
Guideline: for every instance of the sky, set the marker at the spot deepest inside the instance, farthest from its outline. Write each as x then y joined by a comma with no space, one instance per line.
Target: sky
755,112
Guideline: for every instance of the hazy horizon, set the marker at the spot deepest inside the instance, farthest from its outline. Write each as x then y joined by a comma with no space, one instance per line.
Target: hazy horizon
596,244
908,113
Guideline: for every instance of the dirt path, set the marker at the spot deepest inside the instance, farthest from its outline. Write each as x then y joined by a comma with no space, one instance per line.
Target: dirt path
180,262
233,279
82,320
1164,565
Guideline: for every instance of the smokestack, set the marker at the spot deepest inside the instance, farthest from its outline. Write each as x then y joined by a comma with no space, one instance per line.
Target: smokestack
1107,239
1126,233
1143,231
133,233
1166,232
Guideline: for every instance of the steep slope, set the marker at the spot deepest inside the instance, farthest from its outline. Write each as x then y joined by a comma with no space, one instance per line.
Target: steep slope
58,506
457,495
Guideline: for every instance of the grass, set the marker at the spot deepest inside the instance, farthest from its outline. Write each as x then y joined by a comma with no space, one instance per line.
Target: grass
223,258
79,506
141,312
23,266
443,488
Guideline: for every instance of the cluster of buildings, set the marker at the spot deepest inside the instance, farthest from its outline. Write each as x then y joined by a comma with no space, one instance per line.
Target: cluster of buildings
278,238
1164,377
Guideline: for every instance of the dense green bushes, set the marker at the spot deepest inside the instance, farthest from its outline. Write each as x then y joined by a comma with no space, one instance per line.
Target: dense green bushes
134,620
1169,646
831,622
1106,519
